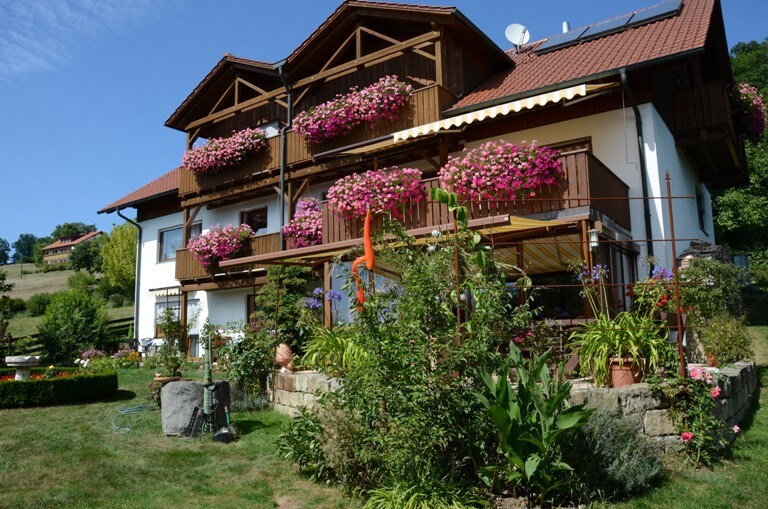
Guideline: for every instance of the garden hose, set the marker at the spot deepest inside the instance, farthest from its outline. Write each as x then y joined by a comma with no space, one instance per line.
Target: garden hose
123,411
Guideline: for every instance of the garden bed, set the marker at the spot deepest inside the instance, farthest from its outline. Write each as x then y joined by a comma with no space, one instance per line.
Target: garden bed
73,387
648,411
300,389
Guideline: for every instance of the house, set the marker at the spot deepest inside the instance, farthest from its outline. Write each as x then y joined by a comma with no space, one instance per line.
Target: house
61,251
626,101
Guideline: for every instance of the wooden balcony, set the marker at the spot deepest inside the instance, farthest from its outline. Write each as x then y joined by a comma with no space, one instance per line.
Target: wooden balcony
187,268
588,182
704,129
423,107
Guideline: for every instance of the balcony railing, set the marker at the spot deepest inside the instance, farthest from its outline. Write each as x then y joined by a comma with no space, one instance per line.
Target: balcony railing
188,268
588,182
424,107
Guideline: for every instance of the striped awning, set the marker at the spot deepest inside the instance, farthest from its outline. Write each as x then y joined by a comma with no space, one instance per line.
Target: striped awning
169,291
501,109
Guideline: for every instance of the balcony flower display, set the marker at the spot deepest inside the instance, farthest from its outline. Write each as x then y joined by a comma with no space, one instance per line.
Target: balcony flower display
501,171
388,190
219,153
373,104
306,227
750,111
219,243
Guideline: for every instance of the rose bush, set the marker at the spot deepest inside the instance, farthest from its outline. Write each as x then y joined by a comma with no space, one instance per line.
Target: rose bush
750,111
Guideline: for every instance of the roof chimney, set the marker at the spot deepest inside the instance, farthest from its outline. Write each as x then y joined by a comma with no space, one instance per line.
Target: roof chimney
566,27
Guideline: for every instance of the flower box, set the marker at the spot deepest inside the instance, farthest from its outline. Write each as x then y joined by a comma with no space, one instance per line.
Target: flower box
388,190
219,243
219,153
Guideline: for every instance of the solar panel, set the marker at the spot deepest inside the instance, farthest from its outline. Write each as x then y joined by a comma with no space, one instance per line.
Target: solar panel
613,25
656,12
559,40
603,27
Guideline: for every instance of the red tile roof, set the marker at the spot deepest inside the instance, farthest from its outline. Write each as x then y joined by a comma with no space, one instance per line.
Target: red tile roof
666,37
62,242
167,184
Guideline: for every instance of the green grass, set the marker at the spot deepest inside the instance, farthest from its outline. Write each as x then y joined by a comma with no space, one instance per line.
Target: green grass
70,457
22,325
26,285
740,481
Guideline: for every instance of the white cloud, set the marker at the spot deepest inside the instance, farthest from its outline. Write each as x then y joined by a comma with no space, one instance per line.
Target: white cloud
38,35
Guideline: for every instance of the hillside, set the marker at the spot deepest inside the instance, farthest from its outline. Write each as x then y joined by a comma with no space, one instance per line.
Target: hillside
26,285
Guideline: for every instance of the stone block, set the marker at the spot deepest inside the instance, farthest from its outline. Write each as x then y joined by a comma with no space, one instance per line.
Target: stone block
638,398
658,423
635,421
179,399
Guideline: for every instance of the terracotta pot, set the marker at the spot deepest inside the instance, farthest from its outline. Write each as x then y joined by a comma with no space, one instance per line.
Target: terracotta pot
284,356
711,360
621,372
165,379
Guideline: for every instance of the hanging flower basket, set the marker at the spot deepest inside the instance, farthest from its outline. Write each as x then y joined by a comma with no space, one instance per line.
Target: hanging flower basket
749,112
219,243
306,227
388,190
373,104
219,153
502,171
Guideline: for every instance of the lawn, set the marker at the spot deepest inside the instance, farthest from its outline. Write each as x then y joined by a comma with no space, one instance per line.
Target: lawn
70,457
741,481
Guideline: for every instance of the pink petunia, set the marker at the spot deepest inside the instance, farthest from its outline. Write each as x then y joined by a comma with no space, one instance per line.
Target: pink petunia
686,437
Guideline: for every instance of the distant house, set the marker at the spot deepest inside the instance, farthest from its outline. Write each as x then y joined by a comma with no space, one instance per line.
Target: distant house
61,250
626,101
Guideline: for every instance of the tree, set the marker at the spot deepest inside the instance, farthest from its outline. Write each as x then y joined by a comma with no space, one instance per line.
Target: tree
87,256
73,321
118,257
37,252
67,229
750,64
4,287
23,248
5,248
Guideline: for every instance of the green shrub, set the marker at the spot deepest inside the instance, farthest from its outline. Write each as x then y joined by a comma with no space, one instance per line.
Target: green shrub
709,287
37,304
300,443
116,300
247,361
727,338
73,322
10,306
82,281
56,391
612,458
433,496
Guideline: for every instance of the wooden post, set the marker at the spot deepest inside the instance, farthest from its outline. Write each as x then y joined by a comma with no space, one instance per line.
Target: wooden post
679,310
184,318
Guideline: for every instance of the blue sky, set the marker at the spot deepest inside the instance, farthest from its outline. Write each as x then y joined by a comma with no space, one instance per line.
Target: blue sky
85,85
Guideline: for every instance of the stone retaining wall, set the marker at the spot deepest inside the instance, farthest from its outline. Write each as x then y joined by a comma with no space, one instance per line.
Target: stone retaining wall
648,412
302,388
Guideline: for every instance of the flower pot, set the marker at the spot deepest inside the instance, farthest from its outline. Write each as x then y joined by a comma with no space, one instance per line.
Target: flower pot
623,372
165,379
711,360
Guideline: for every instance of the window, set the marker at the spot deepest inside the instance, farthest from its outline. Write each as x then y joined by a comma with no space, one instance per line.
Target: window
271,129
170,241
255,218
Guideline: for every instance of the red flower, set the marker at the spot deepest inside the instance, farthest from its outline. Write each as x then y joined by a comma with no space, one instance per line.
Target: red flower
686,437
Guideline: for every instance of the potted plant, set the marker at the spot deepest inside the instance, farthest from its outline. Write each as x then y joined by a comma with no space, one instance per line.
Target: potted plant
219,153
219,243
620,350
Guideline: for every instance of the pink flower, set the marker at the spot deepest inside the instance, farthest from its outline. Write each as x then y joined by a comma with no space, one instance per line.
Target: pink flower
686,437
716,392
219,153
306,227
697,374
736,429
388,190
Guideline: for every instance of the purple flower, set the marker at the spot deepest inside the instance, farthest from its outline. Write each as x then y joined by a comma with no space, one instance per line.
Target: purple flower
311,303
333,296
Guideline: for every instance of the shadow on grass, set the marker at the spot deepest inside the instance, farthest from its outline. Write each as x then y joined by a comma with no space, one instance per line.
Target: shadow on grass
251,424
756,305
749,417
123,395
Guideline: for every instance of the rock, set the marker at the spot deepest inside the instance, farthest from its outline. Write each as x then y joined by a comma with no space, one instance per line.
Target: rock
179,399
657,423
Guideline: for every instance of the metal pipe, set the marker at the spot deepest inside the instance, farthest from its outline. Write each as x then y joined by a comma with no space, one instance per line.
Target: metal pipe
137,283
643,168
284,149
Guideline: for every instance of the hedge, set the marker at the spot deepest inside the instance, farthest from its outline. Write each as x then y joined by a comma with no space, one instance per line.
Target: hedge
56,391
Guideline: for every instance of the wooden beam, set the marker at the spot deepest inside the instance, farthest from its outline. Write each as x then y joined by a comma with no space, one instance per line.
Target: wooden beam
338,50
395,41
439,56
227,91
375,57
358,42
428,159
224,285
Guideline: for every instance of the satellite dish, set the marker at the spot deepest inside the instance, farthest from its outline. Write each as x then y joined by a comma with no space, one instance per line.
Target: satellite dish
517,34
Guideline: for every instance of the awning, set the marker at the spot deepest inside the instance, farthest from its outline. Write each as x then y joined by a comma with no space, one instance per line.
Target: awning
502,109
169,291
